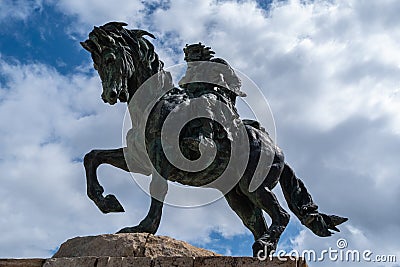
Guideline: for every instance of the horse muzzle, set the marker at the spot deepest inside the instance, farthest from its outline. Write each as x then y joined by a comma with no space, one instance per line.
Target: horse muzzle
110,97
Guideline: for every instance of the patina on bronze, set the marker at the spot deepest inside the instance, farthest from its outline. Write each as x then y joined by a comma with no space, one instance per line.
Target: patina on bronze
125,59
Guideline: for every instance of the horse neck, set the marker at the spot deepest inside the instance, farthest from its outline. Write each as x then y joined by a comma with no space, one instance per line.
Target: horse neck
134,84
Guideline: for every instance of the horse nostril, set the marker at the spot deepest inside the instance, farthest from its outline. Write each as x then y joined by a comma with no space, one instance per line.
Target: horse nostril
113,94
122,96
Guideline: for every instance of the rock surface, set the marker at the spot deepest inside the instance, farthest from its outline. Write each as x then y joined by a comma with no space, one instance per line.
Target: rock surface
129,245
220,261
141,250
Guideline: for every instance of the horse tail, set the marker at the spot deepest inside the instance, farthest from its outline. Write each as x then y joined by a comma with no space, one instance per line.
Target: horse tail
297,197
302,205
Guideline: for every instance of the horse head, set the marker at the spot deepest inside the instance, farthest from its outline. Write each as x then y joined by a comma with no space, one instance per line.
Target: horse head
122,58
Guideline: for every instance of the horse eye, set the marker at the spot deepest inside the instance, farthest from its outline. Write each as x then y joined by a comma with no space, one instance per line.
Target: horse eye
110,58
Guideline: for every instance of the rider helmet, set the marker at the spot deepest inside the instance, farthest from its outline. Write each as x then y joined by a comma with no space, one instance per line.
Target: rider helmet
197,52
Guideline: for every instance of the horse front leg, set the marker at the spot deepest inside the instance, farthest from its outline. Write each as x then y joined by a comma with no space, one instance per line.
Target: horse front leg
92,161
150,224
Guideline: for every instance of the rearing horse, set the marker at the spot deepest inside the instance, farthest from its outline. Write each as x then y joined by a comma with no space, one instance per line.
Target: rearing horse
125,61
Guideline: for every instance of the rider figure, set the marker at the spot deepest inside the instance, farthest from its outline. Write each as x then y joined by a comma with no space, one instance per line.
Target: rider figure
218,77
211,78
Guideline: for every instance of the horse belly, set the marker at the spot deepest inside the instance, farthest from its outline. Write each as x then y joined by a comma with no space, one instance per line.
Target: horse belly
136,155
265,163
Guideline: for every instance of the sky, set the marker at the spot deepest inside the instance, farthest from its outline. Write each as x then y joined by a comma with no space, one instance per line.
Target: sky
330,71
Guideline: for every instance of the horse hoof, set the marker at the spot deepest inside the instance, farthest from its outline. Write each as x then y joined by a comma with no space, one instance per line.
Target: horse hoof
263,249
111,204
135,229
333,220
316,223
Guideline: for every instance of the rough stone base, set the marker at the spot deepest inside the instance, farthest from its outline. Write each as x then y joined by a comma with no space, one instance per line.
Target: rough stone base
22,262
129,245
140,250
219,261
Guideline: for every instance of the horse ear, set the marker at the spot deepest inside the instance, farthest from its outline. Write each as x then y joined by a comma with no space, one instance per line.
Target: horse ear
140,33
119,25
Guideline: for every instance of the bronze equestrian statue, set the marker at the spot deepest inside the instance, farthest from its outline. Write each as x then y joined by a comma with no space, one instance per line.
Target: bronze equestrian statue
125,60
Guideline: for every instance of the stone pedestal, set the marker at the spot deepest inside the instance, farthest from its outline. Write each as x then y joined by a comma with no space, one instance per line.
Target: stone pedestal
178,261
140,250
128,245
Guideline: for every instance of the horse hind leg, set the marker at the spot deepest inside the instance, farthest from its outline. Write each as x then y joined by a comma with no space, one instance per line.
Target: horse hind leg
250,215
92,161
266,200
301,204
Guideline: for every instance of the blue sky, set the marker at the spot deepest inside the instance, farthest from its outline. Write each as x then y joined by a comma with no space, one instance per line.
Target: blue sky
329,69
42,38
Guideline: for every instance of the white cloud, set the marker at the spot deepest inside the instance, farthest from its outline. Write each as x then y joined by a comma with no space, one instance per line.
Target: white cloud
99,12
94,12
